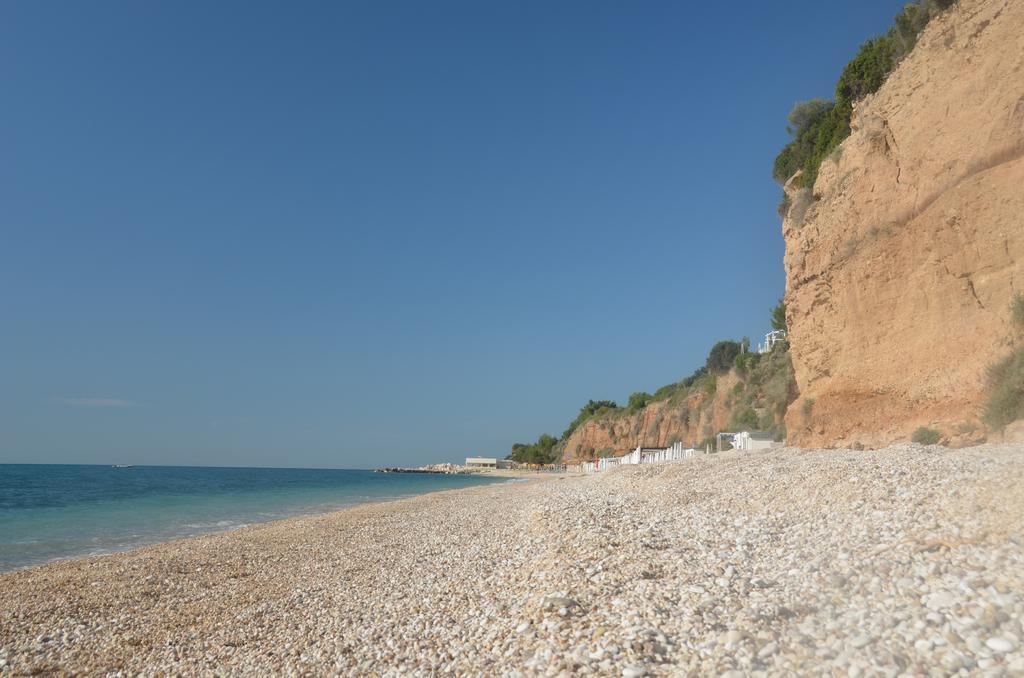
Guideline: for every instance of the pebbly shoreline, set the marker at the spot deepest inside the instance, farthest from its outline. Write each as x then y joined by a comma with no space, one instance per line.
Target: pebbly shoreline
907,559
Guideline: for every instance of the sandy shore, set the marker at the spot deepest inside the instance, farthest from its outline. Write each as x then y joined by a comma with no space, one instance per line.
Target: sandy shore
903,560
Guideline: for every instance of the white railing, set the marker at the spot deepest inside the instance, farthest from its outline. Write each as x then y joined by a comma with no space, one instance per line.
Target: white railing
637,456
770,339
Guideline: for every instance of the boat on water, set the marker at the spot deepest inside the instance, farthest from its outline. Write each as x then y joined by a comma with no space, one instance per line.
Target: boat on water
124,466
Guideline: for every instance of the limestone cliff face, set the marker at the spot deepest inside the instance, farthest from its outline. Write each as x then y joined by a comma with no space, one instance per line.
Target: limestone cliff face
901,272
658,425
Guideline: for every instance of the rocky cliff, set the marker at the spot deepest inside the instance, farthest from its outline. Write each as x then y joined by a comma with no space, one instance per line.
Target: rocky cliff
902,265
688,420
751,396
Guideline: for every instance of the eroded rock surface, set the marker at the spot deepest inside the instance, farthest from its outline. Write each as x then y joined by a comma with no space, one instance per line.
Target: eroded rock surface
901,273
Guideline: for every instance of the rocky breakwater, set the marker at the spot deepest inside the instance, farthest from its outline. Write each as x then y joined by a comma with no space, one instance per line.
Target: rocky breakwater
902,262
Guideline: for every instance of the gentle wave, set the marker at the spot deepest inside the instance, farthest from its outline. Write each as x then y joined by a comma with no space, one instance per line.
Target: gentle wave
54,512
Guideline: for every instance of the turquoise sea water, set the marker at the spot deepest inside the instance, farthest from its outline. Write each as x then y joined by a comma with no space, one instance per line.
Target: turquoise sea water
49,512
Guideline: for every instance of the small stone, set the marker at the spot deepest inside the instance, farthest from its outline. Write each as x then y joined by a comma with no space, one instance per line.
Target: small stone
558,602
860,641
633,672
522,628
768,650
732,637
952,662
940,601
1000,645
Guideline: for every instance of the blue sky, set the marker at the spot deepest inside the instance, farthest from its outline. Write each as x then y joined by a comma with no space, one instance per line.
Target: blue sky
365,233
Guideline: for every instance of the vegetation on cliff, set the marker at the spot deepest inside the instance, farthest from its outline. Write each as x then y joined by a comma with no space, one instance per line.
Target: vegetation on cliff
722,356
779,316
592,408
544,451
818,126
765,387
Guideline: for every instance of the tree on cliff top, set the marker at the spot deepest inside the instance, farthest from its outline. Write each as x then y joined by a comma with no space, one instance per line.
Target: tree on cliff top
819,126
639,400
593,407
541,452
779,316
722,356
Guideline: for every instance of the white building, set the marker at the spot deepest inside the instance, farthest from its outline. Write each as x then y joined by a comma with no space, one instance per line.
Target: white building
748,441
482,462
770,339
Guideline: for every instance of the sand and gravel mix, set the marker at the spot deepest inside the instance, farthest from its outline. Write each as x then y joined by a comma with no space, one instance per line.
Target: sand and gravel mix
903,560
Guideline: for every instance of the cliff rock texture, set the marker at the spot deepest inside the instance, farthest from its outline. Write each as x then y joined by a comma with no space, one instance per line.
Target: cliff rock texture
902,267
660,424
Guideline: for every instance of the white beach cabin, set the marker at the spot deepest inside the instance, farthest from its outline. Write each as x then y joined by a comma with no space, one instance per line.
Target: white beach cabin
481,462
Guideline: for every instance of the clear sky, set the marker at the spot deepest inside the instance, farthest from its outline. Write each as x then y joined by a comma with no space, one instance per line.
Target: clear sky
350,234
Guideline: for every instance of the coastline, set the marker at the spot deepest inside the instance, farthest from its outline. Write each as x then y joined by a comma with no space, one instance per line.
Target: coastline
56,521
729,562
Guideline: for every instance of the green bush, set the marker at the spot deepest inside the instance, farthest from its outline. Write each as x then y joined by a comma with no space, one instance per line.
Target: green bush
545,451
1006,391
710,385
819,126
639,400
866,72
926,436
692,379
722,356
779,315
745,362
671,392
805,119
744,419
591,409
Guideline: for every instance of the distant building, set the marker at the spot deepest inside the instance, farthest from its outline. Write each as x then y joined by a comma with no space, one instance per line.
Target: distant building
770,339
746,440
753,440
481,462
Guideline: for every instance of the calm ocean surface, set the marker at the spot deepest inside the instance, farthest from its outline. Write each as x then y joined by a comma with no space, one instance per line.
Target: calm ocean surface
59,511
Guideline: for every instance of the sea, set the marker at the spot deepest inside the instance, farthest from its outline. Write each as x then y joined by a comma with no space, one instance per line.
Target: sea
50,511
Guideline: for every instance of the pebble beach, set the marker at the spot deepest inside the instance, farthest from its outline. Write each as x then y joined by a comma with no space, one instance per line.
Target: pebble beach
902,560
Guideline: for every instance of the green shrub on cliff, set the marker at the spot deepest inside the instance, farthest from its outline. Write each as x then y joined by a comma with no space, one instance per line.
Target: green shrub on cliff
926,436
591,409
639,401
1006,391
693,378
817,126
804,121
745,362
779,315
744,419
544,451
768,387
722,356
